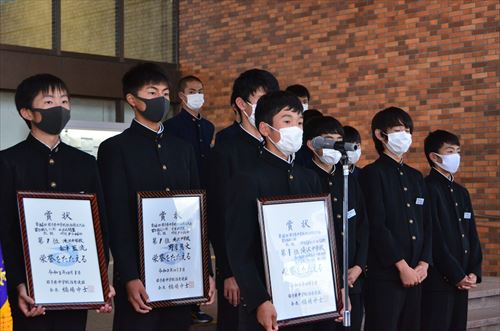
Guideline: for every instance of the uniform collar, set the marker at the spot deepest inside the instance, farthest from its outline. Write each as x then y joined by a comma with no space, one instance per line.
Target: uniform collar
40,145
250,137
323,171
187,115
276,160
387,160
143,130
439,176
160,130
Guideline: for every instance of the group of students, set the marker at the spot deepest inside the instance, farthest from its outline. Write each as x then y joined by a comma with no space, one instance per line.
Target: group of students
413,246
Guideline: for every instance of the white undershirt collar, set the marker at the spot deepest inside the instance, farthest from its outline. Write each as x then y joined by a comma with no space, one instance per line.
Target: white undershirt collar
251,134
290,158
51,148
160,130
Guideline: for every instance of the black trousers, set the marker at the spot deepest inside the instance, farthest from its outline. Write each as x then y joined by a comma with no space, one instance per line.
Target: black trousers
159,319
227,315
391,307
444,311
53,320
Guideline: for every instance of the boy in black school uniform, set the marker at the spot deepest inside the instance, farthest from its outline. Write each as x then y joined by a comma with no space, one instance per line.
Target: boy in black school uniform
301,92
304,155
228,132
190,126
400,228
145,157
250,82
239,153
328,168
351,135
279,120
456,249
42,163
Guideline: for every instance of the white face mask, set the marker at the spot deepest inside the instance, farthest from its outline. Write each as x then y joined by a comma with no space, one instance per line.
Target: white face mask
195,101
290,139
451,162
399,142
251,118
353,156
305,106
330,156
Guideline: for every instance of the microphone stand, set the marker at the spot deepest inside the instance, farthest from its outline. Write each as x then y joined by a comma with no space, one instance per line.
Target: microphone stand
345,239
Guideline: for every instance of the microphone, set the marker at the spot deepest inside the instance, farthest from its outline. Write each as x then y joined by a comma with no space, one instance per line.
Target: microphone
320,142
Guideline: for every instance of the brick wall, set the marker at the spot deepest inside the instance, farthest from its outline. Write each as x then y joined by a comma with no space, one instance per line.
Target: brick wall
436,59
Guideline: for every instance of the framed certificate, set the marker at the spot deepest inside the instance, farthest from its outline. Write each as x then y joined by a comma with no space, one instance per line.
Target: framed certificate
301,269
174,251
63,250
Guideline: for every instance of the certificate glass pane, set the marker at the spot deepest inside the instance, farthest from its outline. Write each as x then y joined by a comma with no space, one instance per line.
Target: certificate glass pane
20,27
63,251
172,248
299,258
88,26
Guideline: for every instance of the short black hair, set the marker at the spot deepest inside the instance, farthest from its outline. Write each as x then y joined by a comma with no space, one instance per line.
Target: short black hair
142,74
250,81
310,114
389,118
351,135
322,125
29,88
186,79
272,103
299,90
435,140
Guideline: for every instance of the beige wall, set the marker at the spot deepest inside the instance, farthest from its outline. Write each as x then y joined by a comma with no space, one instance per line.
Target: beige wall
146,37
88,26
26,23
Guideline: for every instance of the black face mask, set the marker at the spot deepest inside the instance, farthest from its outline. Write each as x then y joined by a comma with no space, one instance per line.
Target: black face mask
53,119
156,108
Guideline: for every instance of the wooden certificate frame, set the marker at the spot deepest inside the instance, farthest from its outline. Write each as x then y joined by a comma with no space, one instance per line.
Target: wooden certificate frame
174,250
300,258
64,256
